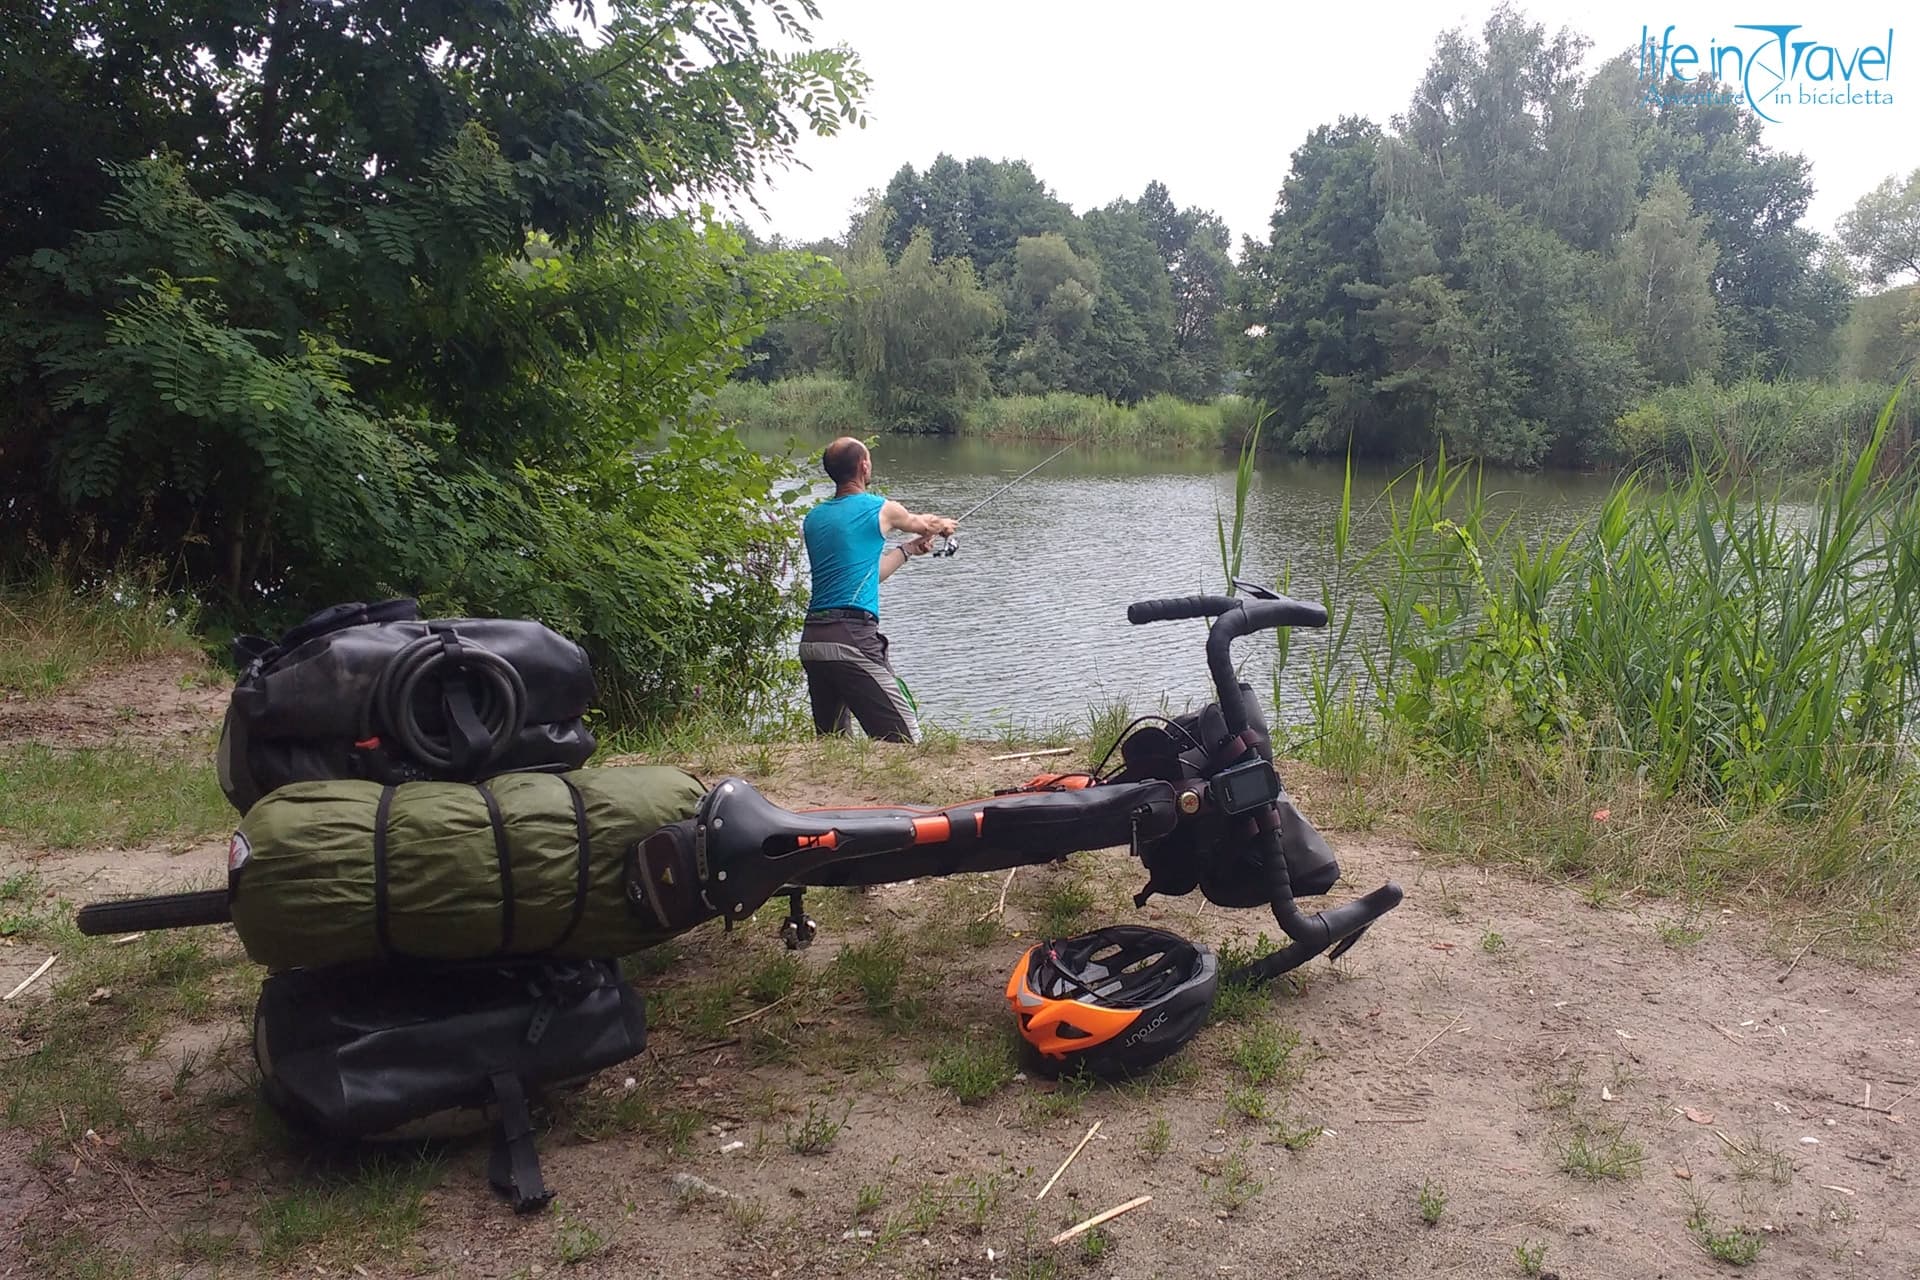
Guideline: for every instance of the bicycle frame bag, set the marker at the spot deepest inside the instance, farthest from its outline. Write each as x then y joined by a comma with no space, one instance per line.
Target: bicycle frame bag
375,692
350,1054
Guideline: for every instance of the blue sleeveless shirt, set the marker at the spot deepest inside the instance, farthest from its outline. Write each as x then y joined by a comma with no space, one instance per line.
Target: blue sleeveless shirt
844,543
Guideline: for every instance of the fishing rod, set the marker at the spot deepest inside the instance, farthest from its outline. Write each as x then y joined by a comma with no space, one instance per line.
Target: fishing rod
952,543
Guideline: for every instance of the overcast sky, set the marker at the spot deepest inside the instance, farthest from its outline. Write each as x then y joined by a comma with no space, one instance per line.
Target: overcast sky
1212,96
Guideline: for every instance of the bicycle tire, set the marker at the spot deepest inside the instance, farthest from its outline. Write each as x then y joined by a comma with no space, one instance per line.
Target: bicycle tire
162,911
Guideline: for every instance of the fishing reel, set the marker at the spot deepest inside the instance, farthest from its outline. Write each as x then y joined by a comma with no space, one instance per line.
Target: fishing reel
948,545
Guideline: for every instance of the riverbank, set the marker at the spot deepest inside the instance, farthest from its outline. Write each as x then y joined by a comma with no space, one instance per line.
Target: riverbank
821,407
1509,1067
1751,427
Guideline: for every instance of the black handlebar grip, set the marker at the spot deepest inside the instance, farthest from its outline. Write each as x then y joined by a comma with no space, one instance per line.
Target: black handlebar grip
1181,607
1284,611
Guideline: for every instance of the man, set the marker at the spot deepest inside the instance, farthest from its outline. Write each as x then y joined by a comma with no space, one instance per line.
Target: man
841,648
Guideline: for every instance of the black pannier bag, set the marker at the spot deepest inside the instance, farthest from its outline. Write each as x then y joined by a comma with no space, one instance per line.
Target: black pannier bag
354,1053
376,692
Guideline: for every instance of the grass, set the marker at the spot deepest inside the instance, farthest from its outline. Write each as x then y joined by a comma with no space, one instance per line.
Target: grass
609,1110
344,1220
75,1078
1600,1152
1585,1145
977,1065
1157,1140
818,1132
1757,1159
108,796
1708,687
1530,1257
52,632
1756,424
1237,1001
1249,1103
1676,936
1264,1053
1432,1203
1072,1089
1062,903
1235,1187
1737,1246
1294,1139
819,406
873,969
577,1241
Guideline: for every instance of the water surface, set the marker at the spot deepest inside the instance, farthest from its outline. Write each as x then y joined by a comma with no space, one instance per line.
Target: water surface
1028,622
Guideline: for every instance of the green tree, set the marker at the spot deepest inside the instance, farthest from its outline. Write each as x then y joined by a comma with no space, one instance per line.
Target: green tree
1779,305
1420,327
1131,341
1664,286
1315,361
1193,243
1881,339
1051,304
1882,232
312,301
1544,376
913,332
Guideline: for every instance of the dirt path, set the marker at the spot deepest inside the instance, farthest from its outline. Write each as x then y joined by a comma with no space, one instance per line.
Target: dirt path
1483,1039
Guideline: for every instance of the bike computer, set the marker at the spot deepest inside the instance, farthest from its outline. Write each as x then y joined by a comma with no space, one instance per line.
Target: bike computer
1246,786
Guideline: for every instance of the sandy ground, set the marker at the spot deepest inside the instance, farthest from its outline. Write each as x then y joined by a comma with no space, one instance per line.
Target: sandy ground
1461,1048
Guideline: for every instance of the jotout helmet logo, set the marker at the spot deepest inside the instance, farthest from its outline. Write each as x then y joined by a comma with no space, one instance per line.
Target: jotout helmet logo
1146,1031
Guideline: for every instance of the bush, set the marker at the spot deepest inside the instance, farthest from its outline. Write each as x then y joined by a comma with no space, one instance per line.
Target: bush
1754,426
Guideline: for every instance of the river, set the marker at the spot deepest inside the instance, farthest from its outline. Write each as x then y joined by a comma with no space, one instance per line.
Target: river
1028,625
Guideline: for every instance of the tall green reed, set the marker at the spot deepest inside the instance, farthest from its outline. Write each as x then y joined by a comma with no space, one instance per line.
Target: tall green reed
1715,638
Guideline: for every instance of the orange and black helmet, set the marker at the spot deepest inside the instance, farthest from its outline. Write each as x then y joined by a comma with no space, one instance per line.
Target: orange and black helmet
1112,1002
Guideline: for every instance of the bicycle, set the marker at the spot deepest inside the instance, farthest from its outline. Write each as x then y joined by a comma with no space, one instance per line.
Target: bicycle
1196,799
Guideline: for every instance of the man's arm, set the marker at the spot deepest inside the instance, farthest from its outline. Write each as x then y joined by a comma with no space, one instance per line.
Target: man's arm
896,518
897,554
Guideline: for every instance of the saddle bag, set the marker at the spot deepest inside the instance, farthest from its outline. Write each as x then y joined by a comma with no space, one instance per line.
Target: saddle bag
356,1053
374,692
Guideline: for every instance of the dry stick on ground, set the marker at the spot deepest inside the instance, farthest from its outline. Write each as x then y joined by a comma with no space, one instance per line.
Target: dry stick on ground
747,1017
1802,954
1099,1218
1730,1142
32,978
1033,755
1436,1035
1071,1157
1000,907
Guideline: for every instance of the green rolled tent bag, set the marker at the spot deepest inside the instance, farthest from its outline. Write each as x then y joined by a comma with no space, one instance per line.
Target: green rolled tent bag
326,873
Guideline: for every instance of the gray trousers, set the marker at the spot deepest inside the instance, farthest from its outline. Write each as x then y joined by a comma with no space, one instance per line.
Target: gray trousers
849,678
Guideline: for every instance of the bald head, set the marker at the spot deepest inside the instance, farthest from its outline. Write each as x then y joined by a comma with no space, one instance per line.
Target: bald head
842,459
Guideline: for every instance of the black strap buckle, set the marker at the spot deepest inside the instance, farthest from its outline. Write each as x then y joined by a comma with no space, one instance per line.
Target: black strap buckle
513,1167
